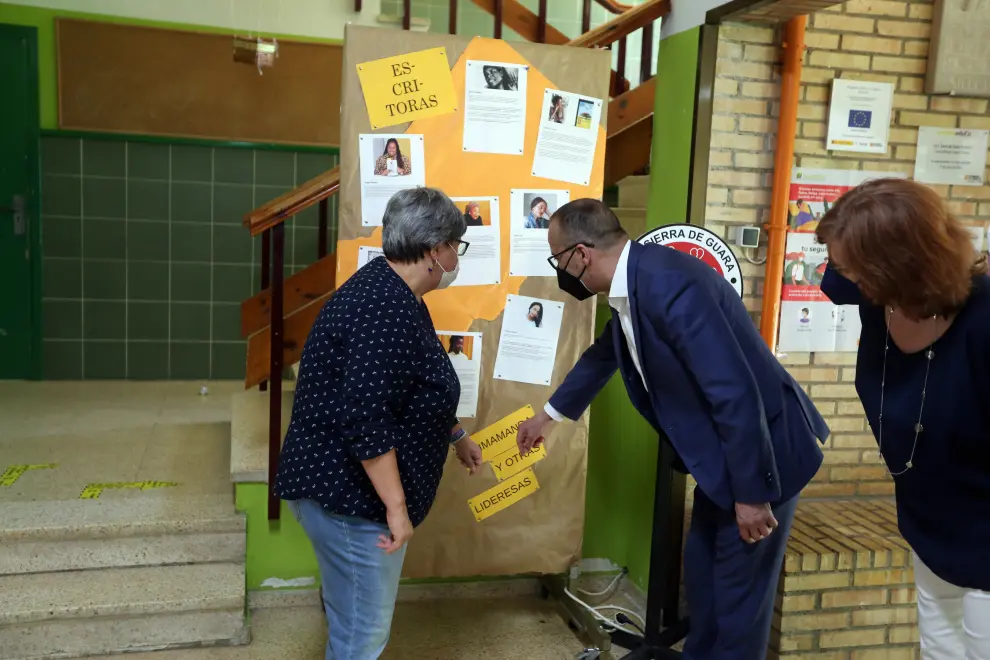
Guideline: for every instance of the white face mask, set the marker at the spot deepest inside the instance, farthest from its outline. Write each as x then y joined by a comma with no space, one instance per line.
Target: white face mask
448,277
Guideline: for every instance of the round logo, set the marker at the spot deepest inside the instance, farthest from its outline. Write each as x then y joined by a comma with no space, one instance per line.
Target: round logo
702,244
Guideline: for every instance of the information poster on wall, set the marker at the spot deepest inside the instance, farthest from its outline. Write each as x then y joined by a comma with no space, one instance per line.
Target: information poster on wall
495,107
813,192
482,263
367,253
527,348
859,116
464,351
531,211
565,146
389,163
950,156
808,319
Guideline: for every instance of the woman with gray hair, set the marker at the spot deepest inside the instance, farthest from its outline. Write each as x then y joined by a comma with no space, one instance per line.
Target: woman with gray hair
373,420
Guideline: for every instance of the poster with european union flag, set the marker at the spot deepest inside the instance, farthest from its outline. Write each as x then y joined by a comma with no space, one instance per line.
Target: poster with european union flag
859,116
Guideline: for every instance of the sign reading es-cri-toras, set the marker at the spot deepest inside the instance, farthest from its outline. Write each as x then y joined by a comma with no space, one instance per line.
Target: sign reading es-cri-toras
407,87
700,243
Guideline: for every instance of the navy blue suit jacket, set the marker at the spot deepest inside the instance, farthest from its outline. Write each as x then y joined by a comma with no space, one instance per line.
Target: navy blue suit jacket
742,426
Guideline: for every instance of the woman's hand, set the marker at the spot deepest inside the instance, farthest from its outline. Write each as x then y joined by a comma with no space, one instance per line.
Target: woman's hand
468,453
400,527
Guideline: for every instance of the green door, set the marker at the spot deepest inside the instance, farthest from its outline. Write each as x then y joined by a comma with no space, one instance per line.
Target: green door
20,238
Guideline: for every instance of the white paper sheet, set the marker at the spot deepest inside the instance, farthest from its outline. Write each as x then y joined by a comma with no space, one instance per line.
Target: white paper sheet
977,235
530,212
565,145
951,156
385,171
859,116
495,107
482,263
366,254
527,347
464,351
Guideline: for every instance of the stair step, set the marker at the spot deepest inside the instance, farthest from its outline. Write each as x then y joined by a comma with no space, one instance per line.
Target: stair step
249,432
52,536
118,610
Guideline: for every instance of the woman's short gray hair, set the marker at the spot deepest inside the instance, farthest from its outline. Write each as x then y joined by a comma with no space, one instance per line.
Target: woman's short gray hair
417,220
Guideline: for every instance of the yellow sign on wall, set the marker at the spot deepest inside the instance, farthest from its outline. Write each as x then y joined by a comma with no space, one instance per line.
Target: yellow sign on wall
504,495
500,437
507,464
406,87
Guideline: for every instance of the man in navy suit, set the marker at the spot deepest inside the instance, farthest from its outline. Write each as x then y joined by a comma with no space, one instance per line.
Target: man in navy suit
696,368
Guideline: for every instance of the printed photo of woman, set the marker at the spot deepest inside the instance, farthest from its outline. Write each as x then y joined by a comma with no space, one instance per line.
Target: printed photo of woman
472,215
392,162
539,217
499,77
557,106
535,314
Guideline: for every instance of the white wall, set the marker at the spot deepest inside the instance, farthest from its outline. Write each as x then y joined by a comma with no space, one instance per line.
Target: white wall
687,14
310,18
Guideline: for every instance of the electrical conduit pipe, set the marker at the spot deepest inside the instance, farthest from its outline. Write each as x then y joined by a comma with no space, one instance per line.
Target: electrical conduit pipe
790,95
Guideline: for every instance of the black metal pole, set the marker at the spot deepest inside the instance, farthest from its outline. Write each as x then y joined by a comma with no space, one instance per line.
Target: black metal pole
266,265
275,371
321,248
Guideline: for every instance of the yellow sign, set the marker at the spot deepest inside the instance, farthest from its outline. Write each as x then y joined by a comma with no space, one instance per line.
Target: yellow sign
507,464
14,472
407,87
93,491
500,437
504,495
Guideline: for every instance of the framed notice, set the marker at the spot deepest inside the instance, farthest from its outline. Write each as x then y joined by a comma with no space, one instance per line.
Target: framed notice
859,116
951,156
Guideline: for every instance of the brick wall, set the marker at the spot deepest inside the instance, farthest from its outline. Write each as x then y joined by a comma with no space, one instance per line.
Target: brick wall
877,40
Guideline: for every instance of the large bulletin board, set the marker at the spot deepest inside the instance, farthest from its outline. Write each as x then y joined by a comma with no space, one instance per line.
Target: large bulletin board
541,534
128,79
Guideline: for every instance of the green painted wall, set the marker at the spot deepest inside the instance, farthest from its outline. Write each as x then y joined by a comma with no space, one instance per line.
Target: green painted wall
673,129
44,20
275,549
622,452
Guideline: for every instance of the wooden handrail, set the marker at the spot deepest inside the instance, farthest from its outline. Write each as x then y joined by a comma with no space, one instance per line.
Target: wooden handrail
284,207
614,7
623,25
524,22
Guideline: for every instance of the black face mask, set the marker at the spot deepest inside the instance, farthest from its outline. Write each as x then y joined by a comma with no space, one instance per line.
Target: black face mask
573,285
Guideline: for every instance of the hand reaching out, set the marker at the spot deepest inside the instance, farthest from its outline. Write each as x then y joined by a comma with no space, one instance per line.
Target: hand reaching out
530,433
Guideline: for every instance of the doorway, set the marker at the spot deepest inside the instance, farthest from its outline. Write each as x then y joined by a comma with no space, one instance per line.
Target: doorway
20,228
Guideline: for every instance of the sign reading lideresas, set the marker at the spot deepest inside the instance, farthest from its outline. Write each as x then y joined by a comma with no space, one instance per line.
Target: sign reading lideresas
514,471
407,87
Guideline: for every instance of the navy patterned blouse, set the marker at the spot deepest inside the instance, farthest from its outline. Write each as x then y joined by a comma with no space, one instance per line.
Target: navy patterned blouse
373,377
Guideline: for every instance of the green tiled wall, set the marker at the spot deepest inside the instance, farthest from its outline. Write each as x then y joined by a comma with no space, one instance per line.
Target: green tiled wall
146,261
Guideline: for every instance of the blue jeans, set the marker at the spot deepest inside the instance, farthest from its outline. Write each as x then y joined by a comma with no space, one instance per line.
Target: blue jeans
359,580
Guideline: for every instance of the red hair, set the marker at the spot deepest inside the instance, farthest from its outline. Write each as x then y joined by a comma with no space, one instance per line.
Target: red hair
907,250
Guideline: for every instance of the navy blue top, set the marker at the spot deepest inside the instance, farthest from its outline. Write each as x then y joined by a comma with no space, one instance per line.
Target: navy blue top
943,502
373,377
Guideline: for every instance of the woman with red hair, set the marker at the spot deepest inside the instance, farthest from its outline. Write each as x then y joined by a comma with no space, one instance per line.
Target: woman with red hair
923,376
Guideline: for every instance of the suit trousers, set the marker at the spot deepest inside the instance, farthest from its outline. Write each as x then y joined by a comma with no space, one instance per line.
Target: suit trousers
731,585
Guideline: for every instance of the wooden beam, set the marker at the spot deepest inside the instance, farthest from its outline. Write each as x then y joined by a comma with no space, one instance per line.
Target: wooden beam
295,331
628,152
623,25
630,108
300,290
285,206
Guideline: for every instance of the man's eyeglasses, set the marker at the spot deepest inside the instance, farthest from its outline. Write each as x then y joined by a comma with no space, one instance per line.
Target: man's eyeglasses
554,259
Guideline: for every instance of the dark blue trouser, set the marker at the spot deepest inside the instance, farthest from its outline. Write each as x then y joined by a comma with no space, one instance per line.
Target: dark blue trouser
731,585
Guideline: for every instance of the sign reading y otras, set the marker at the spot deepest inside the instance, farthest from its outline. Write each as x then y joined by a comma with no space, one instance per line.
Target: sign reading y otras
407,87
513,470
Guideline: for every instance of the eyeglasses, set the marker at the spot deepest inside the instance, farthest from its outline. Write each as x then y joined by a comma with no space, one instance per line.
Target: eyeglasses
460,247
554,259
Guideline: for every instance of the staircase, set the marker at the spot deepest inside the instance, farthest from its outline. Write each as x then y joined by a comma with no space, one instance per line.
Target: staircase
136,568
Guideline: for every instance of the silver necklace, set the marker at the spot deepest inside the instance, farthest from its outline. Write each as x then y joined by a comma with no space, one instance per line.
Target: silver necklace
918,427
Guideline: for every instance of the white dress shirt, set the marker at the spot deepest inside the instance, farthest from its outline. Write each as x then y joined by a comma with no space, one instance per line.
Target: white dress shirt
618,299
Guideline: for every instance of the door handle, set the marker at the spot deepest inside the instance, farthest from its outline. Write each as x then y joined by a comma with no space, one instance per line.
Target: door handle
16,207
